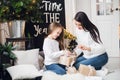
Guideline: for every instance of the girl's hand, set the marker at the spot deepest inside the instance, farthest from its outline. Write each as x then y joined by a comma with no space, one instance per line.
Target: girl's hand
83,47
67,53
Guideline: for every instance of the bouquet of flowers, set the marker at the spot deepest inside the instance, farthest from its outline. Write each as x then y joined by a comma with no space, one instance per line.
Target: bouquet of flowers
68,35
72,43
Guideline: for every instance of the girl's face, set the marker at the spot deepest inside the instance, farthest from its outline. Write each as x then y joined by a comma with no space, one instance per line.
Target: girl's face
78,25
56,33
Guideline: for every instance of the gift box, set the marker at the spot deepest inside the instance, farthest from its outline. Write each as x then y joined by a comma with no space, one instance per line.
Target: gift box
87,70
67,60
71,70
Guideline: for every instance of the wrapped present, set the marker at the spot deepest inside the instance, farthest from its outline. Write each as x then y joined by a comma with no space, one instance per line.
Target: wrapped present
67,60
71,70
87,70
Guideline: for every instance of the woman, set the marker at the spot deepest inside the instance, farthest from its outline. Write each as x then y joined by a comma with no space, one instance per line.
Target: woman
89,43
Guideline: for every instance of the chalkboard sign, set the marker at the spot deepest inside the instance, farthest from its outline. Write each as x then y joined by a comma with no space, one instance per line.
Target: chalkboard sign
49,11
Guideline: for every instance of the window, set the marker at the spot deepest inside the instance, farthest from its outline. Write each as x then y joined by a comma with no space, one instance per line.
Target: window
104,7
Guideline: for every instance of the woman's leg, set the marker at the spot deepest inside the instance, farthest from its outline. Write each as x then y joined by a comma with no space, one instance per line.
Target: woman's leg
77,62
96,62
56,68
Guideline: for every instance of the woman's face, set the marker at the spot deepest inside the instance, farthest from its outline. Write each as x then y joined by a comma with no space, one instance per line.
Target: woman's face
56,33
78,25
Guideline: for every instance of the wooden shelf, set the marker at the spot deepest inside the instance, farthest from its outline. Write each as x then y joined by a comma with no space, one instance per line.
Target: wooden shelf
21,42
17,39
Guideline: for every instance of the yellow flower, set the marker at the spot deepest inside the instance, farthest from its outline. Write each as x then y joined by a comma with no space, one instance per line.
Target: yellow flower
68,35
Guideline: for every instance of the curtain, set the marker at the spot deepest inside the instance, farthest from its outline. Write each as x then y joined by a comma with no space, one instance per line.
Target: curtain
4,32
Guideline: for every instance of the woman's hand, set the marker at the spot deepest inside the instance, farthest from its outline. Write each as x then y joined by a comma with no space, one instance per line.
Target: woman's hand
83,47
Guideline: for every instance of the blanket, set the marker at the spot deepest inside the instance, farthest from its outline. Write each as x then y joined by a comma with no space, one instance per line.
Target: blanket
48,75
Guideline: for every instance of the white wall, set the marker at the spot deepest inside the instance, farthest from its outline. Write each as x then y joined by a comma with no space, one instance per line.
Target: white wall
72,7
70,10
85,6
119,12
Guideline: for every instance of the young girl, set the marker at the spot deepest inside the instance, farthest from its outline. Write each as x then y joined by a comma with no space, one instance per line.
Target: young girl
89,43
53,48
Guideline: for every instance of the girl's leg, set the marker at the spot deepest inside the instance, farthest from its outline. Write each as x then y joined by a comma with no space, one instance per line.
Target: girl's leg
56,68
96,62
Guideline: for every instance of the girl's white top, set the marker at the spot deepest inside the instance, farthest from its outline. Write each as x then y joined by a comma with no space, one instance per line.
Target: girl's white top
51,51
84,38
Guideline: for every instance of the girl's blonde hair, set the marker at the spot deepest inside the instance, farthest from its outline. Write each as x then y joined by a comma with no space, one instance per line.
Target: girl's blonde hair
54,26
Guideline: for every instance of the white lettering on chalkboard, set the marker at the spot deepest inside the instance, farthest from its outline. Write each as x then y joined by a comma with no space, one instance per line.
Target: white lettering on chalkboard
45,30
39,30
52,11
49,6
52,17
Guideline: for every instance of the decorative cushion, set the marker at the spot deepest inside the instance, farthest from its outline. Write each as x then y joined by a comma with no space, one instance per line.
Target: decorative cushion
23,72
27,57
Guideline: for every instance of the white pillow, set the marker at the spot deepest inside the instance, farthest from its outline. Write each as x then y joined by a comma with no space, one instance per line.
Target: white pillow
23,72
27,57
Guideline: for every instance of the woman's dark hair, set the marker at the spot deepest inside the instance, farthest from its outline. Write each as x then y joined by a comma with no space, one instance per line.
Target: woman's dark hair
52,27
88,26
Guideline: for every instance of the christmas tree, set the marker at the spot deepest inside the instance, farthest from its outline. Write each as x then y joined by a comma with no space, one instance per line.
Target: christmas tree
19,10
